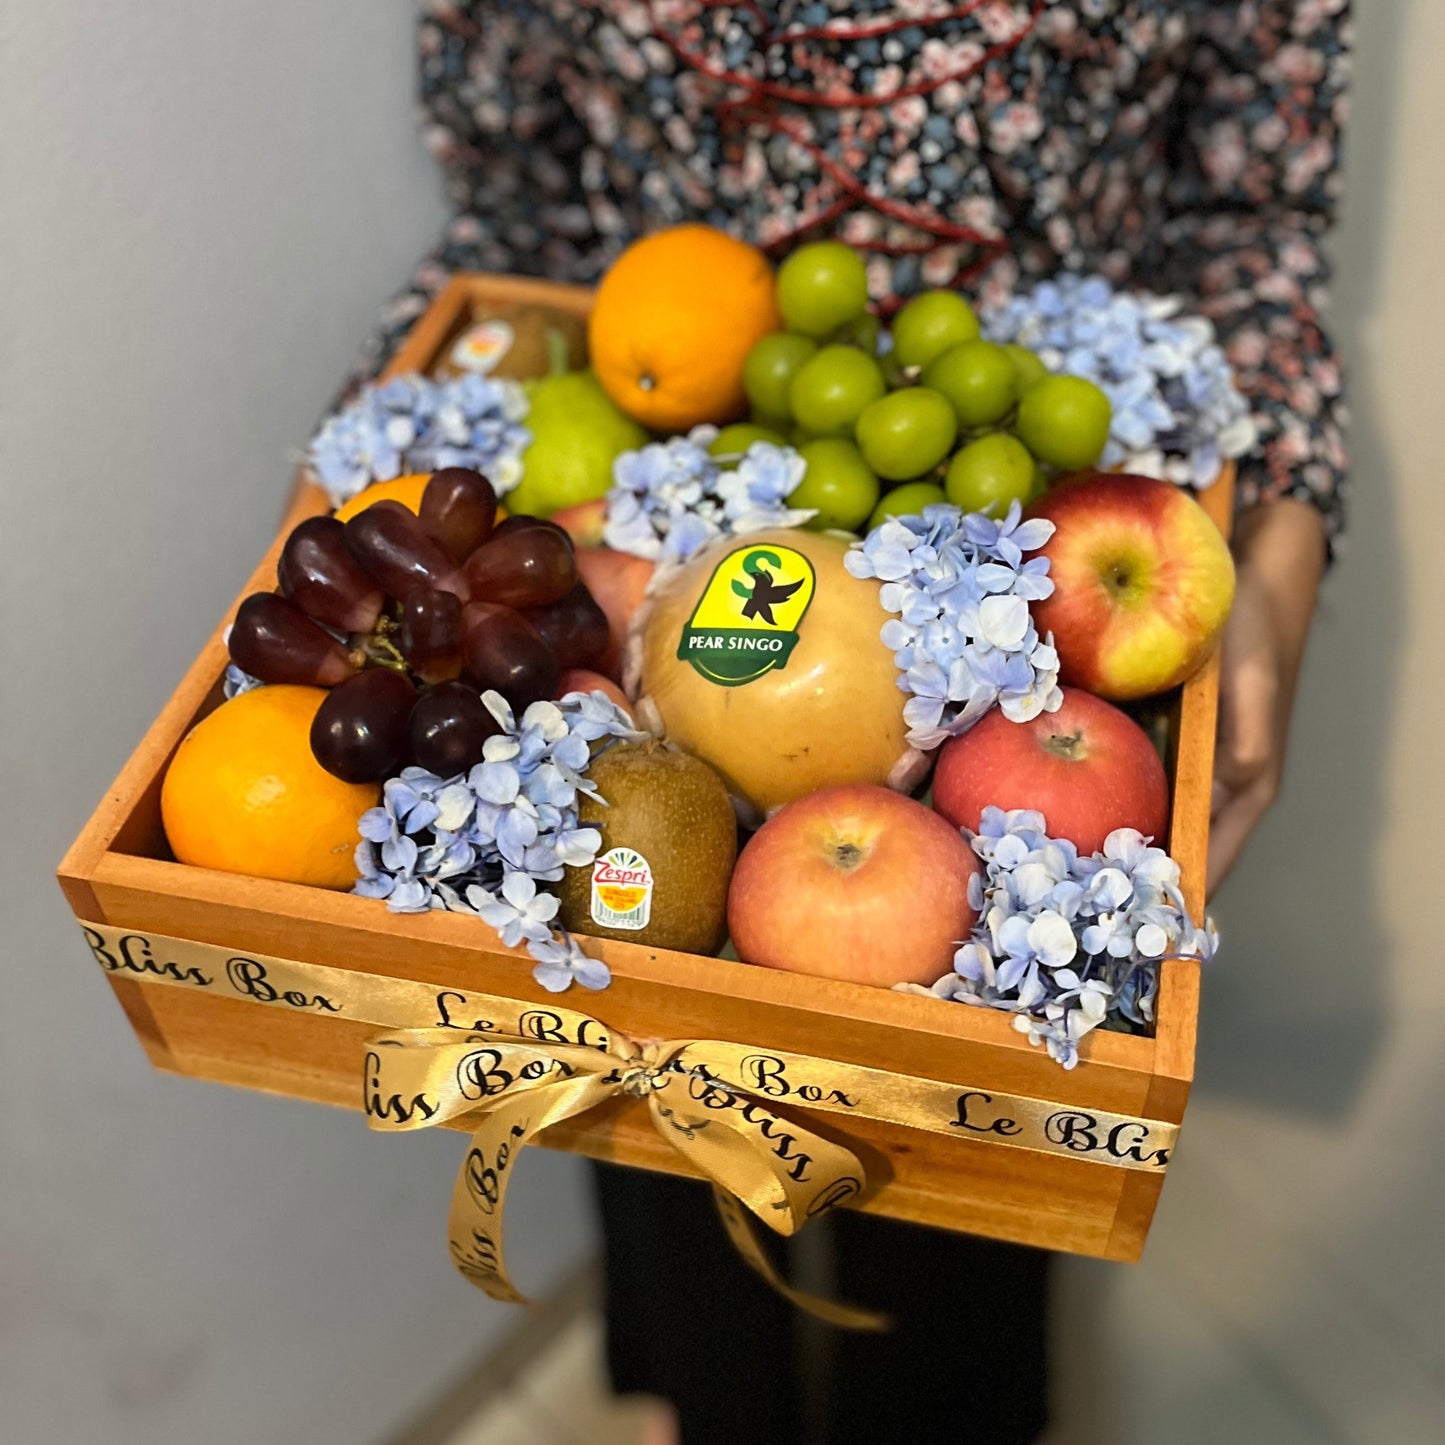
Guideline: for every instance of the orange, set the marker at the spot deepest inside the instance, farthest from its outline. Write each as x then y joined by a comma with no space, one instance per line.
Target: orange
406,490
673,323
243,794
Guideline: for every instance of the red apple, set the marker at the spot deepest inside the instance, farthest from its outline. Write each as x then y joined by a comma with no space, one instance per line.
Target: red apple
1087,768
581,679
617,580
1143,583
858,883
584,522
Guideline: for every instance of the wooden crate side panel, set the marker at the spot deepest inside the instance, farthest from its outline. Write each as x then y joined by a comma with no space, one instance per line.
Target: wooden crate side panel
1003,1194
1133,1214
482,287
1007,1194
652,993
135,1001
943,1182
1191,771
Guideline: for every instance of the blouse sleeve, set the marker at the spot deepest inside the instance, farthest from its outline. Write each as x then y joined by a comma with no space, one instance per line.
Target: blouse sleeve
1254,186
497,121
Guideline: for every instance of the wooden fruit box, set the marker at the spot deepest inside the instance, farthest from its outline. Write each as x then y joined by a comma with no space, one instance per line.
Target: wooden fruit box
120,873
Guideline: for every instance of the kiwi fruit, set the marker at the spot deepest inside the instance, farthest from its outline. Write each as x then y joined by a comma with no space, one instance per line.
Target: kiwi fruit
673,811
542,336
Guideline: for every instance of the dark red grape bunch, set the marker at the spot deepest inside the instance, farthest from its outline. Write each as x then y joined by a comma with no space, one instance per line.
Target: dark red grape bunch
408,619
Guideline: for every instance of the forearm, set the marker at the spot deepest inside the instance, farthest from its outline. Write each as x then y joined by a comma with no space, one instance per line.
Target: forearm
1280,550
1282,545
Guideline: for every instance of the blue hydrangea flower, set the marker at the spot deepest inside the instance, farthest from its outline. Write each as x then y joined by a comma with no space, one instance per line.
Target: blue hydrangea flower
234,682
1177,411
517,910
560,963
670,499
1068,943
962,638
482,842
417,424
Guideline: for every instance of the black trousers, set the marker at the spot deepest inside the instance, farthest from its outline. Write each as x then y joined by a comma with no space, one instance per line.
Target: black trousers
688,1320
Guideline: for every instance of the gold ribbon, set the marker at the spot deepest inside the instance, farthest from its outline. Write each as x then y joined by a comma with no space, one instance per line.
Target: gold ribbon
523,1067
780,1171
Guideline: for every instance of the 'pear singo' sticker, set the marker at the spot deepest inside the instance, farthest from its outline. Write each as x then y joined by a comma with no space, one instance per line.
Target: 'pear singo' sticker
746,621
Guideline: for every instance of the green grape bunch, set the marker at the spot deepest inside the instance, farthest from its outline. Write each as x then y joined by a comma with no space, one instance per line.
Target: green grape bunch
888,421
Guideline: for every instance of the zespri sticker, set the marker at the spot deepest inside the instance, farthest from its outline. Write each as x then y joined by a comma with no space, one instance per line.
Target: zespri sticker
621,890
746,622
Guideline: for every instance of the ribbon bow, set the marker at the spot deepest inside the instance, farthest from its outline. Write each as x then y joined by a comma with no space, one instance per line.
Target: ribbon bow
781,1172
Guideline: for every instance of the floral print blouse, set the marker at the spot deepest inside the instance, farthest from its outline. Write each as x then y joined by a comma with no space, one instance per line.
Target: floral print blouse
1179,145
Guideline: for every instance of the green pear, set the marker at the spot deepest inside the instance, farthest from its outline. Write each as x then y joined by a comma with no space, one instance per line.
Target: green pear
577,433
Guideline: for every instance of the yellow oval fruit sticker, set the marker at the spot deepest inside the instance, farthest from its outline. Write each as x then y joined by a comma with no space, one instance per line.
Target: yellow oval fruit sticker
481,347
622,890
746,622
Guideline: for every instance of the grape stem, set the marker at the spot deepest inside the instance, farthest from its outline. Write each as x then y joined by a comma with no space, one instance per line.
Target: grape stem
377,648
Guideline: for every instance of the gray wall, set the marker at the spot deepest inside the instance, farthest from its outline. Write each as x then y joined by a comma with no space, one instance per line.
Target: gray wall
201,209
1293,1290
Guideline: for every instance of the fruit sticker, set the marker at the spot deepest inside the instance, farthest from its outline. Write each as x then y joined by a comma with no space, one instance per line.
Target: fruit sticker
746,621
481,347
621,890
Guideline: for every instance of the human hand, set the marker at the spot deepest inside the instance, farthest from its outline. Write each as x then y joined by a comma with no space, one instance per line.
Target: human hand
1279,559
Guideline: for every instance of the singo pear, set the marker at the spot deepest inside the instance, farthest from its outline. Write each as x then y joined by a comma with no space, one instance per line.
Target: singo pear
762,657
669,842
